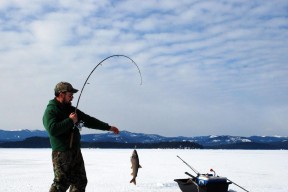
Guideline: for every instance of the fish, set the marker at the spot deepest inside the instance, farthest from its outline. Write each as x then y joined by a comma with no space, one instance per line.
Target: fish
135,166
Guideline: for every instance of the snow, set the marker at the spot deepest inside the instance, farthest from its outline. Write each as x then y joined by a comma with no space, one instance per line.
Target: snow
108,170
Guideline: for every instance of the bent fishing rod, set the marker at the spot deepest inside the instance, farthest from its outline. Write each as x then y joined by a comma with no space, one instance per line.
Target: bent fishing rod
100,63
81,124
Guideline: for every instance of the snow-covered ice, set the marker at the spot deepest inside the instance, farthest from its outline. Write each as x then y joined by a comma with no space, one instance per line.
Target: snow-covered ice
108,170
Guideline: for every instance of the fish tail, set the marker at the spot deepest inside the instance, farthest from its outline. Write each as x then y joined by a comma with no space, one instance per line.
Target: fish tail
133,181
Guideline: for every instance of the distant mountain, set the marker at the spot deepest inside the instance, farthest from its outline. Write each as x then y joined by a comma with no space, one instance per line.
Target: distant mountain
128,137
226,139
20,135
31,142
125,137
43,142
250,146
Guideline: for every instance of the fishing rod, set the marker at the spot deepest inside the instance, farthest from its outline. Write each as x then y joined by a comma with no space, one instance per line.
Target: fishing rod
233,182
98,66
190,166
210,170
80,124
237,185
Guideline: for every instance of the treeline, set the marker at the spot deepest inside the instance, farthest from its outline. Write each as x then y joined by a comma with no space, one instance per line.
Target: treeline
252,146
160,145
43,142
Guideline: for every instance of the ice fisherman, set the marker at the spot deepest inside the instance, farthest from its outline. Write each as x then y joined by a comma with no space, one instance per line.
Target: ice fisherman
59,119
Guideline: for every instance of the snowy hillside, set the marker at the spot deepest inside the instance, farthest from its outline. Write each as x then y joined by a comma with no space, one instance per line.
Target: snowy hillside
128,137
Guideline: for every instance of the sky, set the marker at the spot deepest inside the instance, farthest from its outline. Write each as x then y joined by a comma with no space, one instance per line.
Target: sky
208,67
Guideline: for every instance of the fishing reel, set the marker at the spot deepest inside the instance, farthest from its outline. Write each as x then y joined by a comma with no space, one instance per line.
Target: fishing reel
79,125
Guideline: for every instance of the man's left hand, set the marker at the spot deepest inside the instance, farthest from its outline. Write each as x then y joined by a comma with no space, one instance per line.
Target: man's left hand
115,130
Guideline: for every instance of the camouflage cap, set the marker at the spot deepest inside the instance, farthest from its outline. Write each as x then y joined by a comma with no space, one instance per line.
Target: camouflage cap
64,87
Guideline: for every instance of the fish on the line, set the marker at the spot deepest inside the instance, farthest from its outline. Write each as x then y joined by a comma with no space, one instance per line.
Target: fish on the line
135,166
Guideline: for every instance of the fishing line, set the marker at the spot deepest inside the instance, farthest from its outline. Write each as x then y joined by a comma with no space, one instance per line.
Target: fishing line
100,63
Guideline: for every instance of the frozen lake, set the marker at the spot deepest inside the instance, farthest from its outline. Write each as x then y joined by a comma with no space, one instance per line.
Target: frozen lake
108,170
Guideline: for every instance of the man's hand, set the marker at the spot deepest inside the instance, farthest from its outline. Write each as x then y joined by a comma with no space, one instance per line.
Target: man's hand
74,117
115,130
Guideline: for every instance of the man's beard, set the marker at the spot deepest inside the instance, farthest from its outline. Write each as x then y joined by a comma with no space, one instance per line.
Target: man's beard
68,103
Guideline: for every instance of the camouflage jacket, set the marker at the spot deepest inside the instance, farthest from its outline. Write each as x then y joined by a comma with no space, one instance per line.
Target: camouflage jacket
59,126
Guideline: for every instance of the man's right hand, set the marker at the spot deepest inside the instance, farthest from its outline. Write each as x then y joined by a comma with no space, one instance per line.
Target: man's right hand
74,117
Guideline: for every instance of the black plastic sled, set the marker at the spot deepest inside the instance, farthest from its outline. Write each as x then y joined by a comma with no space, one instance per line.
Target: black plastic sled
203,183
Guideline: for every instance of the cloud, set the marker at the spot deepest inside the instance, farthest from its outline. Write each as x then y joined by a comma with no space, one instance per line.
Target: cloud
206,65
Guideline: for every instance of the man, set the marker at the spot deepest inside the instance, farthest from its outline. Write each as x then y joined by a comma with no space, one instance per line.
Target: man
59,120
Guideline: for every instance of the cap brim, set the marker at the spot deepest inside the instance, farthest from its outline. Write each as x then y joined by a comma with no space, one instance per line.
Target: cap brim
74,90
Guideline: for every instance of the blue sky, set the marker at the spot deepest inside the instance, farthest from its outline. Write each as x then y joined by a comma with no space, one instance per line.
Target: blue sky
208,67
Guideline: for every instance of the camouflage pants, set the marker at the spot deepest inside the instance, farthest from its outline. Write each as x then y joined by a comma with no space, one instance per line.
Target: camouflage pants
69,171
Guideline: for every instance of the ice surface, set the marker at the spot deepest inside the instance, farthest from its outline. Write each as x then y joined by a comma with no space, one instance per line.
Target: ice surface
108,170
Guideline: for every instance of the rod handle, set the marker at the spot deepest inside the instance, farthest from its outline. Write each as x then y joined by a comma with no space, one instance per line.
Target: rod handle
71,140
189,175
